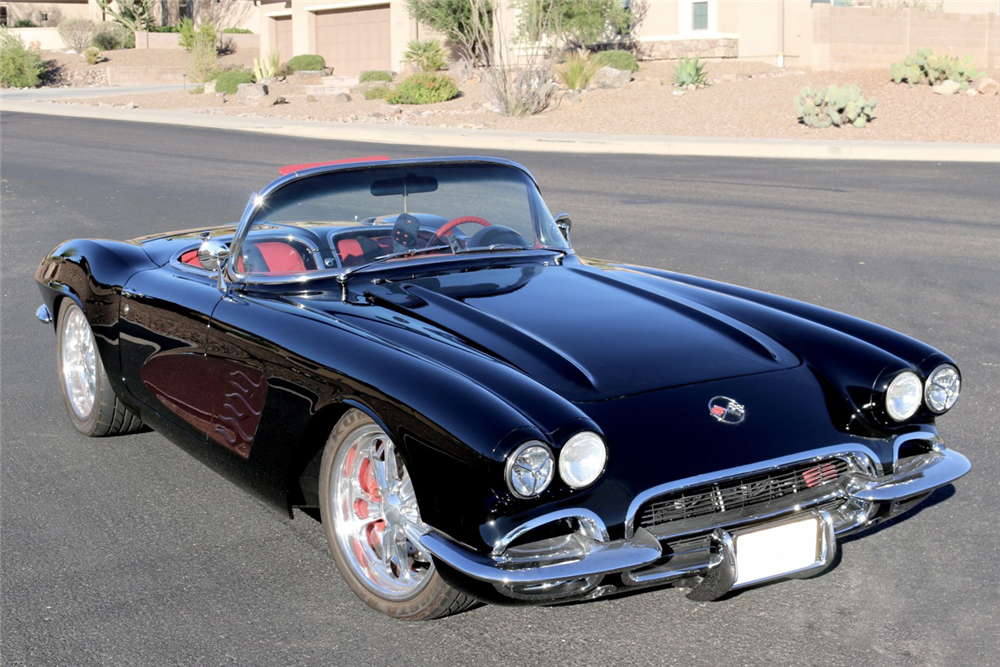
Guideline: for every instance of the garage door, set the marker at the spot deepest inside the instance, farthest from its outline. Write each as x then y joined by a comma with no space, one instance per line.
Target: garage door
283,36
354,40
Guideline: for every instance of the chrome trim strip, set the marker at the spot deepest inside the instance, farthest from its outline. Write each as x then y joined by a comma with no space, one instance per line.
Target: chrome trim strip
854,450
598,558
598,531
921,475
43,314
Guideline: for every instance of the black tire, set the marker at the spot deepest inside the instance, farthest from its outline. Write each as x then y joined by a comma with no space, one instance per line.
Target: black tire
93,409
356,442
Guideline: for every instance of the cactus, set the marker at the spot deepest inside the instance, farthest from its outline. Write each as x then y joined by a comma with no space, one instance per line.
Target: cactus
836,106
930,68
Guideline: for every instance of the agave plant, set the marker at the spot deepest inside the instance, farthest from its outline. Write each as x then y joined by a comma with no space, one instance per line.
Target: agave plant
689,72
266,67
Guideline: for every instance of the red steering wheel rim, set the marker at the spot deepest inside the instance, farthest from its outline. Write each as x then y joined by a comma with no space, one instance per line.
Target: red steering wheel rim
446,229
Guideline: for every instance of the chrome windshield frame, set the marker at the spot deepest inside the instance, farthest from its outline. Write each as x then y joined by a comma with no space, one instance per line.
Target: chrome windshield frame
234,277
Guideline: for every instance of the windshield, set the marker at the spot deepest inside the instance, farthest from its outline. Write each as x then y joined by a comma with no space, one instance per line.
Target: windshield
350,218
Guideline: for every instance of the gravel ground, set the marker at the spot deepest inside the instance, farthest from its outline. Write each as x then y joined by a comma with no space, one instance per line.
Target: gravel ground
746,100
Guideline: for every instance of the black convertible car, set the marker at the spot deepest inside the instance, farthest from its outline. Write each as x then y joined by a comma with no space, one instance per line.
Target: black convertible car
412,349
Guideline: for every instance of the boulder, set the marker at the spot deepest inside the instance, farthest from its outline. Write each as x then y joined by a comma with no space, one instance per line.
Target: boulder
459,70
270,101
210,86
948,87
987,86
609,77
340,98
250,94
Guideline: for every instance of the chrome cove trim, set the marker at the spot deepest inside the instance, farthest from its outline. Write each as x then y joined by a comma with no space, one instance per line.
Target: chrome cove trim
583,558
862,456
43,314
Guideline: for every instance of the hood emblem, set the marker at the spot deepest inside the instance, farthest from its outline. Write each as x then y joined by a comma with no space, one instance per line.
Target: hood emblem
726,410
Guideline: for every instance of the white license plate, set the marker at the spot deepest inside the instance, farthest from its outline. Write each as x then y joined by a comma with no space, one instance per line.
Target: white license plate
777,550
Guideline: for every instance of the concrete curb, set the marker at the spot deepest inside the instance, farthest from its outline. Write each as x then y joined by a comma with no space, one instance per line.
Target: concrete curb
487,140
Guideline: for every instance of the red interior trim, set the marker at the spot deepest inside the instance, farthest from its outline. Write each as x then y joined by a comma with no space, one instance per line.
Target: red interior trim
191,257
281,257
292,168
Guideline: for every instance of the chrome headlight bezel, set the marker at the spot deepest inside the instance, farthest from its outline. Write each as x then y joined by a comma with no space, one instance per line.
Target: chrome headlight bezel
904,396
520,468
952,387
590,449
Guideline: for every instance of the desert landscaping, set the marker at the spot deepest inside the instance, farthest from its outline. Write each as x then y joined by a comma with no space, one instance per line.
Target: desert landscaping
743,99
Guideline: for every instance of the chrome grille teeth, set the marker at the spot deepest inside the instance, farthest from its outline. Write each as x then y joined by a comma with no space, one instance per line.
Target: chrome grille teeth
735,495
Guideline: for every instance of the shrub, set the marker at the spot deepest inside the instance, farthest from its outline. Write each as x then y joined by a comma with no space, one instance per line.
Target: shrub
204,57
689,72
835,105
77,33
25,23
165,28
112,36
237,31
425,89
20,67
926,67
187,33
378,93
305,62
616,59
229,80
93,55
375,75
577,71
426,55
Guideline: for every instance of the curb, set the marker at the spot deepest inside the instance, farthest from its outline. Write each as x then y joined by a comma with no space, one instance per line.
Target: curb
442,137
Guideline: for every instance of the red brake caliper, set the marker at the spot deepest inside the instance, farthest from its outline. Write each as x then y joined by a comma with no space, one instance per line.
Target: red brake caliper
375,529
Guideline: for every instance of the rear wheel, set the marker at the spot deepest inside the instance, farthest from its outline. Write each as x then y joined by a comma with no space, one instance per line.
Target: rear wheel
370,517
91,403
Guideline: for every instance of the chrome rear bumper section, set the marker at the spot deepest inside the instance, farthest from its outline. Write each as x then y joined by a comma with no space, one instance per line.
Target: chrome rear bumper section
573,566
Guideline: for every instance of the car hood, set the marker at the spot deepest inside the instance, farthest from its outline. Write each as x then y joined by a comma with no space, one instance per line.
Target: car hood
587,334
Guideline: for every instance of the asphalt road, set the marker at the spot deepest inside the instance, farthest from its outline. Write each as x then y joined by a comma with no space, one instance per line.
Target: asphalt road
125,551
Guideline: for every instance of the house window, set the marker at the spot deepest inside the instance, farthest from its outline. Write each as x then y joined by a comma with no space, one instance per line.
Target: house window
699,17
3,16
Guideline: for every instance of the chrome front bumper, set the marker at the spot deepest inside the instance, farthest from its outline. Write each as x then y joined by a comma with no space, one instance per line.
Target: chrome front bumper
573,565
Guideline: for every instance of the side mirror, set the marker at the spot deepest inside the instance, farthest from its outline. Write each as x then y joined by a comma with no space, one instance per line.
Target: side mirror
565,225
212,254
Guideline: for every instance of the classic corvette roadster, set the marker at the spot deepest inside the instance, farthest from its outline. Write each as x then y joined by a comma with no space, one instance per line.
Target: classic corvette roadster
412,350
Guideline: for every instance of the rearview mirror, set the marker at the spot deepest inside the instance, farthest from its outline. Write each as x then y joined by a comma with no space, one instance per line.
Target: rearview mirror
412,184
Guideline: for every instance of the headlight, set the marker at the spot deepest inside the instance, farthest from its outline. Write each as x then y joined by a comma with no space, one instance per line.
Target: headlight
902,400
529,469
942,388
582,459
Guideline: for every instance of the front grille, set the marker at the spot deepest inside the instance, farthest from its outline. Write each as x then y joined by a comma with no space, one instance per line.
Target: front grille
760,493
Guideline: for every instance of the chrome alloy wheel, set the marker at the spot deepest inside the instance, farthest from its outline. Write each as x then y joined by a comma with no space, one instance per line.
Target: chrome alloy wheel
79,363
374,506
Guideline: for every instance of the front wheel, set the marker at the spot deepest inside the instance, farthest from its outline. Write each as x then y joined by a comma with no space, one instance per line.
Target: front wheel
370,518
91,403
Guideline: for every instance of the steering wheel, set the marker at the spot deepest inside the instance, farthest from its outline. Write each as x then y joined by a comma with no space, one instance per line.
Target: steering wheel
446,229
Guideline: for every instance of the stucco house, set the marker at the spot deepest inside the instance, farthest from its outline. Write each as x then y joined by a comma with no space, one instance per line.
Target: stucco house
357,35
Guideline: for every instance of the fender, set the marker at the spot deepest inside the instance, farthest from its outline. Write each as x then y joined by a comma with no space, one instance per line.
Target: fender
92,273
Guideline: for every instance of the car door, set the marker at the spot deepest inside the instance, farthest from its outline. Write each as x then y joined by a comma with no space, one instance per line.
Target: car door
164,320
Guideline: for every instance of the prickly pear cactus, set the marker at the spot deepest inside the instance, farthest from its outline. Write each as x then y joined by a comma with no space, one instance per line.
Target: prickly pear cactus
927,67
835,105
